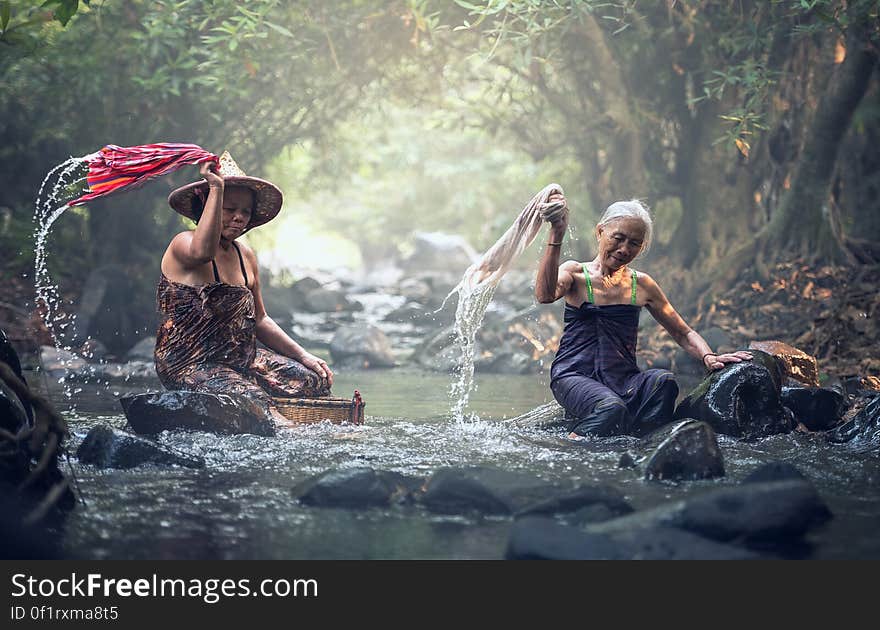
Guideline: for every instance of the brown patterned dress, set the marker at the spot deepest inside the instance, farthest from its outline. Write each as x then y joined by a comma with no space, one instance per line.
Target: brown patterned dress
206,342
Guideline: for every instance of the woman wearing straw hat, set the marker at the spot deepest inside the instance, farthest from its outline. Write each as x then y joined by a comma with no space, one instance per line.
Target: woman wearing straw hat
210,302
594,375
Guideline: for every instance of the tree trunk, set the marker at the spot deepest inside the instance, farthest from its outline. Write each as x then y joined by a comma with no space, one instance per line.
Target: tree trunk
801,222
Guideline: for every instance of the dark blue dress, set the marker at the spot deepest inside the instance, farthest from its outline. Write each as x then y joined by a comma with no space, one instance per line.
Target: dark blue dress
595,377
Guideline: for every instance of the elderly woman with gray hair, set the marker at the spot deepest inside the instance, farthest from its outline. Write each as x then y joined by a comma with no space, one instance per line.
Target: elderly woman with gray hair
594,375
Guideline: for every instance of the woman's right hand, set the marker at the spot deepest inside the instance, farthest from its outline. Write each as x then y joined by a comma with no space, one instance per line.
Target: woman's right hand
560,223
206,170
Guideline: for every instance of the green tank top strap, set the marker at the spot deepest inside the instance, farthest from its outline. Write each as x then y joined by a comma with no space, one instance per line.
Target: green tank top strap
632,299
589,284
635,282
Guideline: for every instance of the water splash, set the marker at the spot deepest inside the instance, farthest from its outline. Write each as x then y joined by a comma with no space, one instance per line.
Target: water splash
480,280
66,180
472,305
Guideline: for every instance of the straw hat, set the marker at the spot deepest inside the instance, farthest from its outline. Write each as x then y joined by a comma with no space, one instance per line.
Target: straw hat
190,199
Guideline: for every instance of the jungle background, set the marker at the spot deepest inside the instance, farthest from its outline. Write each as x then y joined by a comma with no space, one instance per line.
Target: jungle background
749,127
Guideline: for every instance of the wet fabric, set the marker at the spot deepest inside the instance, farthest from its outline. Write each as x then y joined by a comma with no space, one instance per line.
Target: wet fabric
115,168
207,342
596,379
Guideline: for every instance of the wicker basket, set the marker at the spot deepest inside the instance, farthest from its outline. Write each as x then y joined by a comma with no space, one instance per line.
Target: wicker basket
309,410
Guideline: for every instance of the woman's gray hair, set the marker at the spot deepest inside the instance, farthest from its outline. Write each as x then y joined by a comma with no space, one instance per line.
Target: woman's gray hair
632,209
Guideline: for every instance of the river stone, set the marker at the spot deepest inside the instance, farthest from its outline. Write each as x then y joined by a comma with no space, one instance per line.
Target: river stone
143,350
759,513
689,450
485,490
106,447
774,471
439,251
361,487
536,538
362,347
323,300
863,431
817,408
154,412
796,364
580,498
494,491
741,400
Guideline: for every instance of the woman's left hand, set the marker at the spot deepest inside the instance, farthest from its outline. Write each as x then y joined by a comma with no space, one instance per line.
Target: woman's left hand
718,361
318,366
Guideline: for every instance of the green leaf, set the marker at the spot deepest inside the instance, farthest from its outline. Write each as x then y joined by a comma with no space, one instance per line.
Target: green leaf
63,9
280,29
4,14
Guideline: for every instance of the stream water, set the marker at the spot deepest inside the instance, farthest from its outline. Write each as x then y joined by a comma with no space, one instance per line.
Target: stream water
240,505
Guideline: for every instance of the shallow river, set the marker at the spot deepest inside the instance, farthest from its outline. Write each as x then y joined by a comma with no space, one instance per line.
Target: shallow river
240,505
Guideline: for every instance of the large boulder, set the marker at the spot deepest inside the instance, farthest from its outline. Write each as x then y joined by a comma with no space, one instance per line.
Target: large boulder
777,512
795,363
154,412
817,408
361,487
863,430
361,347
106,447
774,471
685,450
537,538
439,251
741,400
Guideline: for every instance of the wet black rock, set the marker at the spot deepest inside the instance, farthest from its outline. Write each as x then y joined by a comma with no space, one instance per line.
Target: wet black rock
626,461
777,512
596,513
741,400
686,450
819,409
578,498
357,488
774,471
106,447
361,347
535,538
154,412
485,490
863,431
495,491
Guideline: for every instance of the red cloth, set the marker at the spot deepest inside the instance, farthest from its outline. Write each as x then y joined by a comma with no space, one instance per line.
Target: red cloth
116,168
